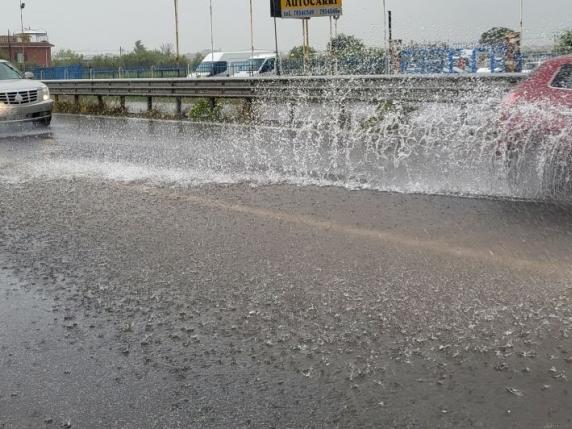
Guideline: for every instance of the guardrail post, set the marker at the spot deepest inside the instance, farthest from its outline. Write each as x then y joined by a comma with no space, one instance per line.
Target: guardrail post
149,104
212,103
56,98
122,102
100,102
291,112
179,106
248,108
344,118
76,100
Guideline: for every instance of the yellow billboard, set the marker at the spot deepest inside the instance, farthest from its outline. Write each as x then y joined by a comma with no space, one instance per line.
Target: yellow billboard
310,8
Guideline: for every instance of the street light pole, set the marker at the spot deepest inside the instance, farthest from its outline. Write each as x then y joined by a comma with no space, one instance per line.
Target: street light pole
177,32
251,31
212,36
385,44
521,21
22,6
277,59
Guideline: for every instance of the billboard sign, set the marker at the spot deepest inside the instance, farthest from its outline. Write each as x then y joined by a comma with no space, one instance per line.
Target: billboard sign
305,8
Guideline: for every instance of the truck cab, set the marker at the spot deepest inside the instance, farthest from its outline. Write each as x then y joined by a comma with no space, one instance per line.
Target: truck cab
258,65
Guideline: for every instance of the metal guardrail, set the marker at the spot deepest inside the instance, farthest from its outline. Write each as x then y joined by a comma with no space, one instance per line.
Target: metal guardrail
438,88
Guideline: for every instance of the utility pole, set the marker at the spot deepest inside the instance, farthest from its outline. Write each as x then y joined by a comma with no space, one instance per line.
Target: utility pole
334,53
177,32
521,22
330,45
385,44
251,32
304,50
9,46
277,59
212,37
306,40
336,18
22,6
390,41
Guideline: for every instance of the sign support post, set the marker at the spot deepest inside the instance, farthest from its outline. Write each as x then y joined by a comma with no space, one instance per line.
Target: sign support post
304,10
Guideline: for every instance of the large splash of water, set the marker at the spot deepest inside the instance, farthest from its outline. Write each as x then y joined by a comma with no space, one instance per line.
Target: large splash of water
445,148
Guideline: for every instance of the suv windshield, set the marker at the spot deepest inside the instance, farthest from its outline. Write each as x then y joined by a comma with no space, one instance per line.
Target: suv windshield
7,72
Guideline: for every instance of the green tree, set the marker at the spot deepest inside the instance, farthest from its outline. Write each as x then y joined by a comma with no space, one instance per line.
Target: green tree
194,60
166,49
297,53
495,35
347,47
564,43
354,57
140,56
66,57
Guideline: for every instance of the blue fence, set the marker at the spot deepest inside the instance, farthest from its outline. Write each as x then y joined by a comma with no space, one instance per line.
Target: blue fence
85,72
481,59
411,60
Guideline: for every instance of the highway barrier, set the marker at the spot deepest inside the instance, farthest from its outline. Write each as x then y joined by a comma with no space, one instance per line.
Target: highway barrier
439,88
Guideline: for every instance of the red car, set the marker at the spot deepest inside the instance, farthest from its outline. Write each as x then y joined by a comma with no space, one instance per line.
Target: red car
536,130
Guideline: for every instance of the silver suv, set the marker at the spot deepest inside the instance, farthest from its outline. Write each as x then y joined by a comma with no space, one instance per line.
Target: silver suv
23,99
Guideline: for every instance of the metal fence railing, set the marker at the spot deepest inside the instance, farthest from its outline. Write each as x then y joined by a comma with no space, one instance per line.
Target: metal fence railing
444,88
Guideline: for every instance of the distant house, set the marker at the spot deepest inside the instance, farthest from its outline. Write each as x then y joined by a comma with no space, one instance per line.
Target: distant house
31,47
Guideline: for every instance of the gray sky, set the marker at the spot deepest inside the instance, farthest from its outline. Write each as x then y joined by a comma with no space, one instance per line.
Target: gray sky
105,25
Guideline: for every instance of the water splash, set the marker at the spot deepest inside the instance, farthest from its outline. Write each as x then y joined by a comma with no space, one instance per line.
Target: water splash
444,148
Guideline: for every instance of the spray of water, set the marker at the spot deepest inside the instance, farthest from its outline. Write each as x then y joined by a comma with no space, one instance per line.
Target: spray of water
452,147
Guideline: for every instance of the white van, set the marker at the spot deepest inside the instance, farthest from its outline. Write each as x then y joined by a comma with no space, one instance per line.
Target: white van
259,65
222,64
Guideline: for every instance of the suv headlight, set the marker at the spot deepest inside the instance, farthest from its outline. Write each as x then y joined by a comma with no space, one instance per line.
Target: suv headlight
45,93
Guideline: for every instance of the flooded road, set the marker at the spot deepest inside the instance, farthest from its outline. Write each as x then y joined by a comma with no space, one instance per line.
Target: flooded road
170,275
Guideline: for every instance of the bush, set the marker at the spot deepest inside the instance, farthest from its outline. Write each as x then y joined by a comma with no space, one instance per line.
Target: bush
205,110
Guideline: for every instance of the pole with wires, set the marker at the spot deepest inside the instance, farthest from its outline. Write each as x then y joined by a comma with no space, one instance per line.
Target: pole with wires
22,6
177,35
277,59
385,41
212,37
251,31
521,22
274,13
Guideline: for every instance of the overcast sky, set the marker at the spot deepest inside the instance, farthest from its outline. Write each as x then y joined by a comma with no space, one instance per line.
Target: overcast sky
105,25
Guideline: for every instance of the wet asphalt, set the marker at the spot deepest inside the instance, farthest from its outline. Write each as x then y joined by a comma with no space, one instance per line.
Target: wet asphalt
142,287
